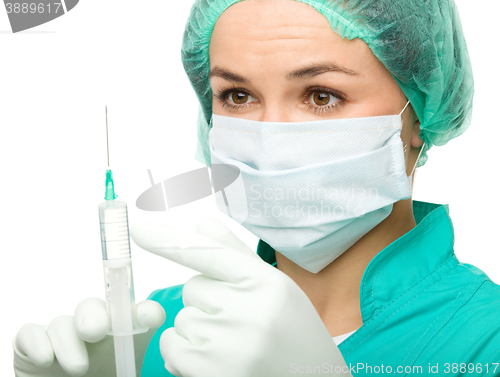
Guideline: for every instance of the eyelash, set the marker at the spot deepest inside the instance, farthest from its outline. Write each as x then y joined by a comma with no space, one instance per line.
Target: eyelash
223,94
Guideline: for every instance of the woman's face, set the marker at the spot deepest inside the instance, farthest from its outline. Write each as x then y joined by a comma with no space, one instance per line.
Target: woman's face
280,61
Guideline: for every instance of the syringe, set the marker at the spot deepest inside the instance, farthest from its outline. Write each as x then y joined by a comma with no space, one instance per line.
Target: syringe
119,285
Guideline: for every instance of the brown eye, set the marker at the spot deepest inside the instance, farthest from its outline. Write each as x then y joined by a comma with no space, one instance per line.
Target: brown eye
322,98
238,98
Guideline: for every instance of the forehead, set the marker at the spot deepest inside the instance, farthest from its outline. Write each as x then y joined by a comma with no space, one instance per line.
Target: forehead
271,14
286,31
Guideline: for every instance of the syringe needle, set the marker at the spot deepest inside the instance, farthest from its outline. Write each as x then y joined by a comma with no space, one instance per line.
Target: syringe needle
107,140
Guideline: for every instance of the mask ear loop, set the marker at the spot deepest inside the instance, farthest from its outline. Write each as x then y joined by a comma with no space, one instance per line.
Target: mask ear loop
405,147
404,108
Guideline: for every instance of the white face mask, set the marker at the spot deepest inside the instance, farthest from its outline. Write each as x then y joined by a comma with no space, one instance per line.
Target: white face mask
311,189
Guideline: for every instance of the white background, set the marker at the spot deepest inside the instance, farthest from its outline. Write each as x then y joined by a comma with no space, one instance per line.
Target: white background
54,81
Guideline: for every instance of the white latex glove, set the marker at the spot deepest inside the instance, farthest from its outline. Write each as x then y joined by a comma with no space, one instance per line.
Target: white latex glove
78,346
242,316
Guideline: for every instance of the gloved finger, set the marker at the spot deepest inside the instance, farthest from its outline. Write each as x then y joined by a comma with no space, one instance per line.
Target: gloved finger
32,341
150,314
175,351
217,231
189,323
204,293
91,319
69,348
193,250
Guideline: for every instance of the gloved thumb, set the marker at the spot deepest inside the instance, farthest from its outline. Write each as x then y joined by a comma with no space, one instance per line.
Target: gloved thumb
217,231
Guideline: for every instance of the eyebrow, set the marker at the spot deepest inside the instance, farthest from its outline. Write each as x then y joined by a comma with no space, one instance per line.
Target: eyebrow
304,72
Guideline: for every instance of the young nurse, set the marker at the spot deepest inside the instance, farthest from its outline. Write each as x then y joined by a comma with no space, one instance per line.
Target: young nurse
324,108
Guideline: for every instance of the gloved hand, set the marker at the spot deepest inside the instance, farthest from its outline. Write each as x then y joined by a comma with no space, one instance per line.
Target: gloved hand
78,346
242,317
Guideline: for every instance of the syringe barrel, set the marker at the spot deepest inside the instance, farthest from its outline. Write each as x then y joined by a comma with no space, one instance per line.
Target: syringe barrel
118,279
115,239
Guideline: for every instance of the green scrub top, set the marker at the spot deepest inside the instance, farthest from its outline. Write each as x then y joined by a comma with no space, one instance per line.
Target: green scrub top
424,313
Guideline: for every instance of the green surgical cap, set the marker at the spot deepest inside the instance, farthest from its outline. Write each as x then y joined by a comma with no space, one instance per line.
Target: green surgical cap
420,42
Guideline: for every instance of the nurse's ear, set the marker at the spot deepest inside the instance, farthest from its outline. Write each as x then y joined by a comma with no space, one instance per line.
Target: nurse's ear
416,141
